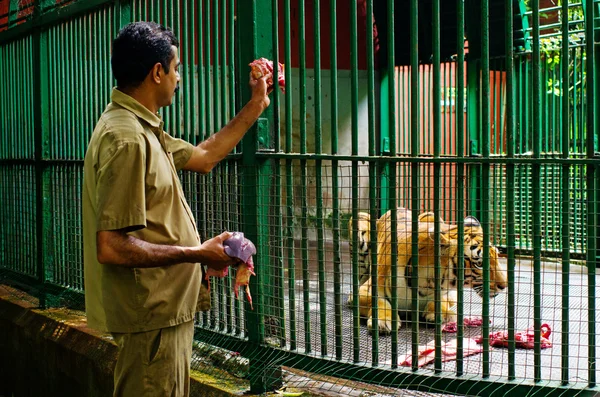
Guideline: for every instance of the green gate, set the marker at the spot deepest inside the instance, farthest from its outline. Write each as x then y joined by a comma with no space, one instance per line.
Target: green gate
483,108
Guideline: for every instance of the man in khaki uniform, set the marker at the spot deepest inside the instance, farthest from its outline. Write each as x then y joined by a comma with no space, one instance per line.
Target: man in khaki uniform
142,252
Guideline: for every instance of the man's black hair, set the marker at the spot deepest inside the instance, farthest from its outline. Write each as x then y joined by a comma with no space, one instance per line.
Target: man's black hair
137,48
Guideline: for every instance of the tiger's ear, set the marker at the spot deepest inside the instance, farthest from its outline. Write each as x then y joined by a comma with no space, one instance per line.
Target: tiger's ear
471,221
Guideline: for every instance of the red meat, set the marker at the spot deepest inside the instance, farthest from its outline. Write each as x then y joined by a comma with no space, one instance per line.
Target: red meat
523,340
449,350
262,66
470,322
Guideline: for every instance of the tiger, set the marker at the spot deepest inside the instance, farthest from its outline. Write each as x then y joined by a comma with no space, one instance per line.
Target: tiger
363,238
364,230
473,272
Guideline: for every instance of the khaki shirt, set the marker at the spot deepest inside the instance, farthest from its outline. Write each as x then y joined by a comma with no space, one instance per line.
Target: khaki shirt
130,181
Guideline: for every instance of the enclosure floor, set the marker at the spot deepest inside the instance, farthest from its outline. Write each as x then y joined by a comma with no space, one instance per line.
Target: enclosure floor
551,301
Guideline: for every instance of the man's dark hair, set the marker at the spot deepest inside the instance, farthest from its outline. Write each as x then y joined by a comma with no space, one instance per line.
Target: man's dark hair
137,48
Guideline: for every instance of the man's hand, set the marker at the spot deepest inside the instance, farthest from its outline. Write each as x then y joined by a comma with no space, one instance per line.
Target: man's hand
212,253
261,89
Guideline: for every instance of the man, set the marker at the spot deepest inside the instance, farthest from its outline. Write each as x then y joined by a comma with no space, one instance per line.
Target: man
142,252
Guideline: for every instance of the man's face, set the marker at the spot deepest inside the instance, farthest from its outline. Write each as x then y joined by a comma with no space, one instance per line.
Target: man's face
171,80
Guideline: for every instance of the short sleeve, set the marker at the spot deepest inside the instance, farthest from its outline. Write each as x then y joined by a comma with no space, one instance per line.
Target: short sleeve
121,195
180,149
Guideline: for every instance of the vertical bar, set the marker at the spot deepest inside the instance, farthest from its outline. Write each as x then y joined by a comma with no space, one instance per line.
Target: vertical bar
208,104
415,177
355,176
337,268
536,193
393,169
436,184
566,202
279,221
290,179
485,180
257,187
592,230
223,54
210,69
510,183
319,177
372,182
460,174
40,101
232,60
186,69
303,167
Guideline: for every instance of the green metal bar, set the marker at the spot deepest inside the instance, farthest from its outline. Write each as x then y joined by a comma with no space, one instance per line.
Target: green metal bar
40,100
276,99
485,181
437,138
510,183
592,205
460,175
304,251
302,74
354,119
203,97
393,192
63,152
337,268
372,182
280,277
288,77
70,82
232,68
303,180
289,178
210,68
174,125
566,201
201,43
187,61
319,178
255,40
415,178
223,69
536,194
78,86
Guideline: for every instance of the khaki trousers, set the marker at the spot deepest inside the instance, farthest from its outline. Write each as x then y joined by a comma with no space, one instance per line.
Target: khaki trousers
154,363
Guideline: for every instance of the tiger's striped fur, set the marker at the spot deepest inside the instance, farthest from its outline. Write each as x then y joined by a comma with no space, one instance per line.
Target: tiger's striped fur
473,260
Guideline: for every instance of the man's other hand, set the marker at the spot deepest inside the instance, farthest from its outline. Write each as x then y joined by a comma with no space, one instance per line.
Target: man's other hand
212,253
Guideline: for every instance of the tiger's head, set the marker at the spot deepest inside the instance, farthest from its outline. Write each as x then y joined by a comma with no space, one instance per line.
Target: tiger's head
473,256
364,229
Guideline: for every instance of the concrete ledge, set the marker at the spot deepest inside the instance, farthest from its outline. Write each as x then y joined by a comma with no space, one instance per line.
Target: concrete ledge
53,353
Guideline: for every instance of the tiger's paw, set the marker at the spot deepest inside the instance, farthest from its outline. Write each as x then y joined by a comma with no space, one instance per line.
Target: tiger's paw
448,312
384,326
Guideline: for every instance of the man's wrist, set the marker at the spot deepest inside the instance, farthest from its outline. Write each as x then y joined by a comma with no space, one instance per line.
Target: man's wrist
259,103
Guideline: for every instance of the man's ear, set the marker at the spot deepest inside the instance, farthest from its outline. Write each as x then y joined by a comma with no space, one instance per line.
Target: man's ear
156,73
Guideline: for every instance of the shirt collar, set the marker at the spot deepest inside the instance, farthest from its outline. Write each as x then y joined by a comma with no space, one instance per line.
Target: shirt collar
120,98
